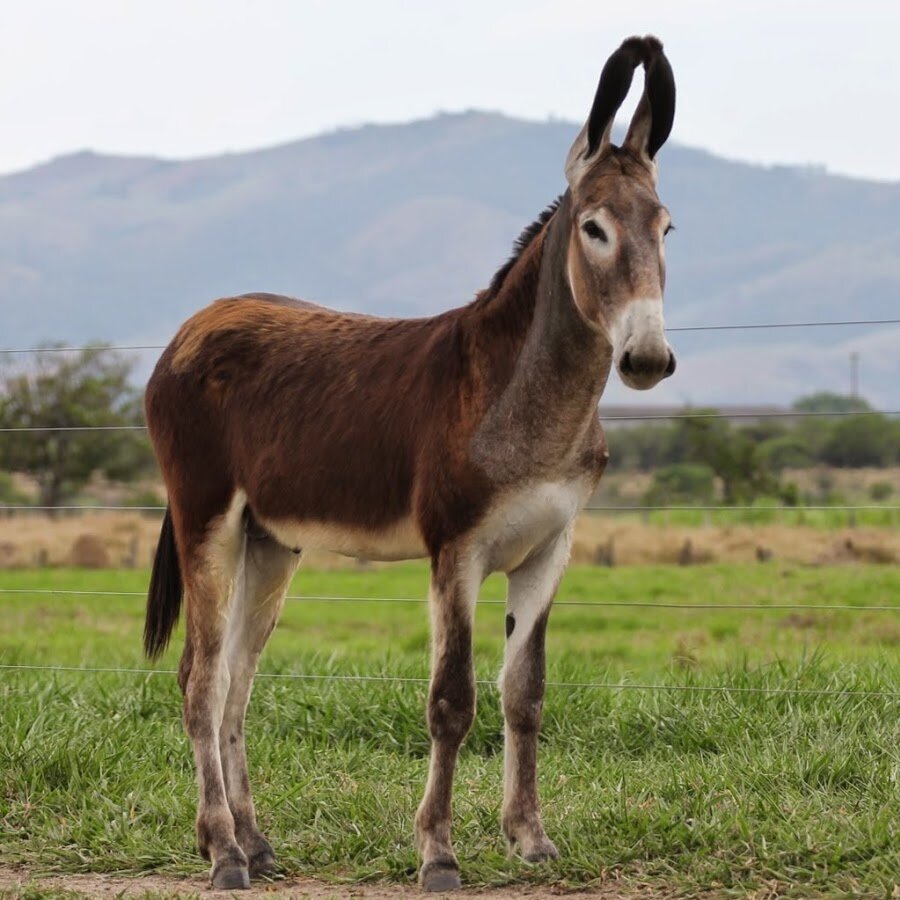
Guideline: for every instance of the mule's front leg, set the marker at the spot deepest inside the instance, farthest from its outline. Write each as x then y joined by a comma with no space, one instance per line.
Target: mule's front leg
531,590
451,709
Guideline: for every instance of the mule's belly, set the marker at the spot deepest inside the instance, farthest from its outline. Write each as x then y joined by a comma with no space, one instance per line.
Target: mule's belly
518,524
526,520
401,540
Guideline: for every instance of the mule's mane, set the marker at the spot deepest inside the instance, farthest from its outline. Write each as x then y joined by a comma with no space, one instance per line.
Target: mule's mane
522,242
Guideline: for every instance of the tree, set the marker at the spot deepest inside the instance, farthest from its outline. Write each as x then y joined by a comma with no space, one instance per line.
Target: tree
643,447
826,401
677,483
734,457
85,389
863,441
788,451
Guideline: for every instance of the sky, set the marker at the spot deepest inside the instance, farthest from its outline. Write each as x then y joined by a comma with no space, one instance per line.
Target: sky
792,81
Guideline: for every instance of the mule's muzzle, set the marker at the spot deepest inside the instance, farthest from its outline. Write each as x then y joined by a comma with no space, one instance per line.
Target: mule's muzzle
644,370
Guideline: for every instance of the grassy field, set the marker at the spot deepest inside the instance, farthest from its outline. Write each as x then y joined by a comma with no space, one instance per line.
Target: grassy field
653,775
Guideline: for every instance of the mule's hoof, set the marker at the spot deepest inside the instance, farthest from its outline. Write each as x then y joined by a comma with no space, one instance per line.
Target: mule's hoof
263,863
230,875
439,877
542,852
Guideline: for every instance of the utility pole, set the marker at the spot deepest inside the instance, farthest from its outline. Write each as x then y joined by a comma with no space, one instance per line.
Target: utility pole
854,373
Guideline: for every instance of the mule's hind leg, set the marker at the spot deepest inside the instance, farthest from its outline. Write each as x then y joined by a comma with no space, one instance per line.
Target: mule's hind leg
210,558
259,595
531,590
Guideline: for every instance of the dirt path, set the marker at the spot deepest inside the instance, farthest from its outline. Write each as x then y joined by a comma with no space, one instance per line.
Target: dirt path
13,884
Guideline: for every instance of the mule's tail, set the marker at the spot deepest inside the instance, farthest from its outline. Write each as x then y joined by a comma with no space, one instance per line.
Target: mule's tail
164,595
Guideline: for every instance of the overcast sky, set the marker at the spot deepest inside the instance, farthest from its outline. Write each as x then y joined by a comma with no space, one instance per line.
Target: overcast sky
790,81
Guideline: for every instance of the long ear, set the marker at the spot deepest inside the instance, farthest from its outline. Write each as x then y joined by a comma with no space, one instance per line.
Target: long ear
612,89
655,112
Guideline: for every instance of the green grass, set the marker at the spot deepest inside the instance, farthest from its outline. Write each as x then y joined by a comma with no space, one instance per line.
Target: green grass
692,790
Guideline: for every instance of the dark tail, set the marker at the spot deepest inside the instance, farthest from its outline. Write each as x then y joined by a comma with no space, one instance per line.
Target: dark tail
164,596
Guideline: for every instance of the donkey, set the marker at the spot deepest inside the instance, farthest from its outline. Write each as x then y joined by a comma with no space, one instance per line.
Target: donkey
471,438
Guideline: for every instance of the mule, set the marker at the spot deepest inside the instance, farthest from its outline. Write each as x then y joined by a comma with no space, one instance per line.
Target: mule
471,438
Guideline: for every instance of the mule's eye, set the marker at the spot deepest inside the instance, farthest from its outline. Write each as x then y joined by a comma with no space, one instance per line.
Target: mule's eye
594,231
669,227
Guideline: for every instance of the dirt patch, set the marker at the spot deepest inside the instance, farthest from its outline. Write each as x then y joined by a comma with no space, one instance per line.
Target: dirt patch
18,883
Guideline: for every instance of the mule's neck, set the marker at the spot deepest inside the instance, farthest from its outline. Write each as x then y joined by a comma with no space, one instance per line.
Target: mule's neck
560,362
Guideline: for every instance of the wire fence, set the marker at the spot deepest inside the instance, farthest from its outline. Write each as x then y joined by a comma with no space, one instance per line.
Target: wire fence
591,508
746,326
707,509
421,680
761,414
630,417
599,604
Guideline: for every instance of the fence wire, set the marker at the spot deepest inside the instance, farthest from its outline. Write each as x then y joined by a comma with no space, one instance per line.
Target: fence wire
595,508
597,604
635,417
411,679
753,326
746,326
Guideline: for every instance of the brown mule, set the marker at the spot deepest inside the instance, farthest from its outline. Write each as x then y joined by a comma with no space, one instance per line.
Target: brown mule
471,438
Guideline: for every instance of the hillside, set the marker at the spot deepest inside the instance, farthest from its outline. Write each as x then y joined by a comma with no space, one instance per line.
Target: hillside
411,219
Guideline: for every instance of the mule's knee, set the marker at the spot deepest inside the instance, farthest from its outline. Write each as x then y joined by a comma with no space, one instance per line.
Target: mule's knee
451,711
521,710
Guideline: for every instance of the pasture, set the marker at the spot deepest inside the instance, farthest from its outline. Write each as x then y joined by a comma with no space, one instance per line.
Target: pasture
685,751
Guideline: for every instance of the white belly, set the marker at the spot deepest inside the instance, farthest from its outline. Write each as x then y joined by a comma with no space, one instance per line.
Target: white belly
527,519
517,524
400,541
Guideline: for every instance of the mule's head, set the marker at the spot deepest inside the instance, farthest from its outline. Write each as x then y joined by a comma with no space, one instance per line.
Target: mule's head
616,258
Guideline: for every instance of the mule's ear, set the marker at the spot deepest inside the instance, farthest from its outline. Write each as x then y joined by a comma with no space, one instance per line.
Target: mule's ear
655,112
615,80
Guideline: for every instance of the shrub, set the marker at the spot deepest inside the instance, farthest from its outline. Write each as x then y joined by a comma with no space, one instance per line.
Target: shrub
682,483
788,451
9,493
862,441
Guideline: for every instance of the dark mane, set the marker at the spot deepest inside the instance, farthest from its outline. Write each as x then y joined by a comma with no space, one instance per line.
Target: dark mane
522,241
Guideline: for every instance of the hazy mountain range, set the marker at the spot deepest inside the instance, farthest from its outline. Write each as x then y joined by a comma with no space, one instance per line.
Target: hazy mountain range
411,219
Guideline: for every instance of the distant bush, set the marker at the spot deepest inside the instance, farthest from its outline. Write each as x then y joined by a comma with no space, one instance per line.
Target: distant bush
682,483
145,497
790,494
788,451
862,441
748,458
9,493
881,490
826,401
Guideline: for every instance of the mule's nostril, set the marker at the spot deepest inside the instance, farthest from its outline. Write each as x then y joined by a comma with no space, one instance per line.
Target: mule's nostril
625,363
670,368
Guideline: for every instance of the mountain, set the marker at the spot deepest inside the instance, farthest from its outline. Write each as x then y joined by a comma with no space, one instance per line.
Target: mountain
412,219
